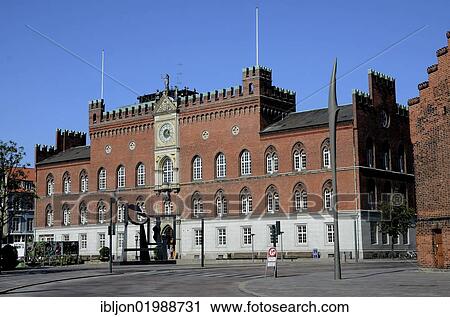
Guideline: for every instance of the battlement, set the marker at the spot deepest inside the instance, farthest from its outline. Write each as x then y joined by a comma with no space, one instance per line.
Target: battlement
442,51
66,139
402,110
381,88
41,152
413,101
257,71
128,112
382,78
97,104
361,98
432,68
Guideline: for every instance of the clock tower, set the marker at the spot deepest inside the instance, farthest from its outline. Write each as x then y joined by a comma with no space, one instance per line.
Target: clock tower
167,147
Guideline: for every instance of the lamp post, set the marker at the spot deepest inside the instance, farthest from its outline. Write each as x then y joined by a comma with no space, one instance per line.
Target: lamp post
332,116
253,248
136,239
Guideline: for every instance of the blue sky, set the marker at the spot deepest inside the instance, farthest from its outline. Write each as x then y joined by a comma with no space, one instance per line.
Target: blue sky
202,45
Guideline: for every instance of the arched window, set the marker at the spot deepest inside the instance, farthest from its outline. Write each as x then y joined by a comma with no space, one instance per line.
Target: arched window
273,200
221,165
167,171
246,201
140,175
168,207
371,195
50,185
197,168
49,215
386,156
120,211
370,153
66,215
401,159
67,183
246,163
300,198
299,157
197,204
271,160
121,177
326,158
84,182
101,208
327,195
102,179
250,88
83,214
221,204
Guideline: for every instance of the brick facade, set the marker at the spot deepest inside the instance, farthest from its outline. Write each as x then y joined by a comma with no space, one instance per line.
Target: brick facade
430,133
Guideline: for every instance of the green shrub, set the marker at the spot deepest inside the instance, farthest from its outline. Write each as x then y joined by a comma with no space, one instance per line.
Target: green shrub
9,257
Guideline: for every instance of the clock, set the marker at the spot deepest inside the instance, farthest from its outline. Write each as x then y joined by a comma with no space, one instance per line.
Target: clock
108,149
384,118
166,132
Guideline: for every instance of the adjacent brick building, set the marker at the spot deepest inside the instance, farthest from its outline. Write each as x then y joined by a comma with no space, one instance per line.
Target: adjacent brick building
430,134
241,158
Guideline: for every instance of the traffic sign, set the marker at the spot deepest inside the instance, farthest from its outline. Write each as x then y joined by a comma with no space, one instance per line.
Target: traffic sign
272,253
272,260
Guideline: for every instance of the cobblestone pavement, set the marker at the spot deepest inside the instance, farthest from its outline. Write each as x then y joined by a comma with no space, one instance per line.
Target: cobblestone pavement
303,278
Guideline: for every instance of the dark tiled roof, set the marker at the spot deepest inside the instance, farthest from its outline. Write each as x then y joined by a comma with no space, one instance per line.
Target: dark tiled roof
311,118
73,154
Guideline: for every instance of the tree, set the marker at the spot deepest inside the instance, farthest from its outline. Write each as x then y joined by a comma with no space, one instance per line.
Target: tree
395,220
12,176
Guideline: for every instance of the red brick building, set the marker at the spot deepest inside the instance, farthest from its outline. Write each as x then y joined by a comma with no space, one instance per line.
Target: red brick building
241,158
430,134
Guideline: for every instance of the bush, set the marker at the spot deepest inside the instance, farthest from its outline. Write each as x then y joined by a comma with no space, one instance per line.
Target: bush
104,254
9,257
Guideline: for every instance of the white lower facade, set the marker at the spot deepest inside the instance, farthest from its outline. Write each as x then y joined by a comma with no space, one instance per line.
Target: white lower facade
225,238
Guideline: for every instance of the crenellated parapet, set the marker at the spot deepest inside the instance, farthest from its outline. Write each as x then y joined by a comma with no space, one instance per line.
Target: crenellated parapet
413,101
361,98
442,51
41,152
431,69
402,110
423,85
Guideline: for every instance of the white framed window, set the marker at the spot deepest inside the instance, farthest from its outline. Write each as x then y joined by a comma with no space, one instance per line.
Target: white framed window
197,237
221,205
83,214
272,163
83,241
303,160
120,212
221,236
330,232
384,238
296,158
246,236
246,203
327,193
50,216
102,179
273,201
221,166
373,233
84,183
30,224
101,240
65,237
66,215
67,183
167,171
15,225
168,208
50,186
121,177
140,175
120,239
395,240
246,163
197,168
326,157
301,234
301,200
197,206
101,213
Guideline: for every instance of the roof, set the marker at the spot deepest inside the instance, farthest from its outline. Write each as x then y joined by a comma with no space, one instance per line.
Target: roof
311,118
72,154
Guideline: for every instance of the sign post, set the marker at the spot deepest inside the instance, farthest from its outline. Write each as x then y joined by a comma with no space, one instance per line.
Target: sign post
272,261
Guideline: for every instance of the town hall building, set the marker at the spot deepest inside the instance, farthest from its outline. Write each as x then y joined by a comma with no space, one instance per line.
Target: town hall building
241,158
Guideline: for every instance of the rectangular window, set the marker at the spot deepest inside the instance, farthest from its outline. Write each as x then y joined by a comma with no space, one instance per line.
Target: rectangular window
246,235
384,238
373,233
17,238
120,237
221,236
301,234
303,161
101,240
30,224
15,226
395,240
197,237
330,233
405,236
83,241
65,237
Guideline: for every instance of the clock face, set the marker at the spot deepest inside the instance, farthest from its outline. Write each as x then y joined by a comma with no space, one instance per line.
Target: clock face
166,132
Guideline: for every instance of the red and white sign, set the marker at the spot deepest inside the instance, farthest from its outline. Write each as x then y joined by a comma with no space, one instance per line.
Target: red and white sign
272,254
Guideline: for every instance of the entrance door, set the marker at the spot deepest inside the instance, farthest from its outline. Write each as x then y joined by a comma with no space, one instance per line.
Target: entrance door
438,248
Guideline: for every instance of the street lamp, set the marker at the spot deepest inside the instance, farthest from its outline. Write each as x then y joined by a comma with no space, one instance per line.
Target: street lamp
136,239
253,248
332,116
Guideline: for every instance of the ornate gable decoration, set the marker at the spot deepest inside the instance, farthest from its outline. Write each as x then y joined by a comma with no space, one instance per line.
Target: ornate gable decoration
165,104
